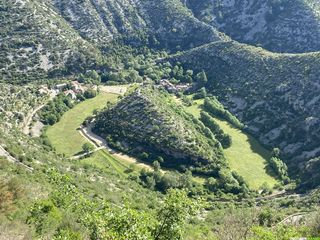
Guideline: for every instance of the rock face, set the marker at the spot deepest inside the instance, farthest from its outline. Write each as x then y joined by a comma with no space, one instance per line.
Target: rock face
275,95
149,120
166,23
290,26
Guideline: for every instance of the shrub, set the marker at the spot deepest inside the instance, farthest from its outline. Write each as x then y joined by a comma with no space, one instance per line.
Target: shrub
214,107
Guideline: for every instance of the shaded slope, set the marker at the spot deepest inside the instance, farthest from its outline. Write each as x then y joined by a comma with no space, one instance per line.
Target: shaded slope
275,95
148,120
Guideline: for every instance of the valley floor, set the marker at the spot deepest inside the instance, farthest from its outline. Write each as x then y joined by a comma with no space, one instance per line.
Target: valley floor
245,156
64,135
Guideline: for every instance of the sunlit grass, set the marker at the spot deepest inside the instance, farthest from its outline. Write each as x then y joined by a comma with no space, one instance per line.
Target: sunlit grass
64,135
245,156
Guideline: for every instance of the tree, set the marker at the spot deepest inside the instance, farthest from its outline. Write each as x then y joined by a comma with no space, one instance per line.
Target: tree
90,93
150,182
156,166
202,93
225,140
173,215
236,224
211,184
279,167
315,223
51,119
186,180
87,147
92,77
201,78
275,152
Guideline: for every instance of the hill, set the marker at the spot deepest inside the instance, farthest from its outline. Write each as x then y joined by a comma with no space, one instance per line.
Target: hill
36,43
291,26
149,121
158,23
275,95
45,39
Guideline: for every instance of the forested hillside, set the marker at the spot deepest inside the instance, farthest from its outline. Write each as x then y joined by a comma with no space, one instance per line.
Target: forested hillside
158,23
36,43
148,120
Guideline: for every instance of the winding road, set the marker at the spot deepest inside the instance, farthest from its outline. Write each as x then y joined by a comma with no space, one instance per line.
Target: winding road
100,143
28,120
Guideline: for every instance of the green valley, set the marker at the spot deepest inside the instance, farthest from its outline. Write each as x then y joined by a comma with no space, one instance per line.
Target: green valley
64,135
246,156
159,120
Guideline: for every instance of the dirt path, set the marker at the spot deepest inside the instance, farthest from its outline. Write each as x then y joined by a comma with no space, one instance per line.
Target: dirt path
28,120
100,143
87,153
4,153
294,218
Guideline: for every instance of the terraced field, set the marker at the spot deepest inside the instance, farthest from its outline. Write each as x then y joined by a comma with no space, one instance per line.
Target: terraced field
246,156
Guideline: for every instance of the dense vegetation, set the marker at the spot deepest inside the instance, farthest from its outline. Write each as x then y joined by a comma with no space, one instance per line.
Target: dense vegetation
148,120
215,108
54,110
222,137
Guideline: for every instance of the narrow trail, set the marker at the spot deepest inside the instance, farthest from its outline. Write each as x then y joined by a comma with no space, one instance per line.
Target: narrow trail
100,143
4,153
76,157
28,120
294,218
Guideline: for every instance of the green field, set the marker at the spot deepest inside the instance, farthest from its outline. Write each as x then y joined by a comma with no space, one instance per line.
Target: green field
98,160
246,156
64,135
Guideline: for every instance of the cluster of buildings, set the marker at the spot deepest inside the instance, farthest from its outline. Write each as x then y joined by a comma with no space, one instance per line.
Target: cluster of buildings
70,90
174,88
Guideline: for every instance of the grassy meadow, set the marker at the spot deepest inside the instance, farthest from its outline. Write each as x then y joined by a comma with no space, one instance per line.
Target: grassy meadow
64,135
246,156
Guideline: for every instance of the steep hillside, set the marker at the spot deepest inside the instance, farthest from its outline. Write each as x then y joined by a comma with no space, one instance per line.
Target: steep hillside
148,120
58,37
36,41
281,26
275,95
160,23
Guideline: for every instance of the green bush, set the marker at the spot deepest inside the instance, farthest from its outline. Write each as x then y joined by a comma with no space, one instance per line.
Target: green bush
214,107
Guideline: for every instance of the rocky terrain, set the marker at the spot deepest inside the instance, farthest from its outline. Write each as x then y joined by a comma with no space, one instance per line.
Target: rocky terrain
290,26
37,42
161,24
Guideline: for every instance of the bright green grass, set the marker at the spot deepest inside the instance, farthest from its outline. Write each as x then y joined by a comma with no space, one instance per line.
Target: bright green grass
64,135
246,156
104,161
